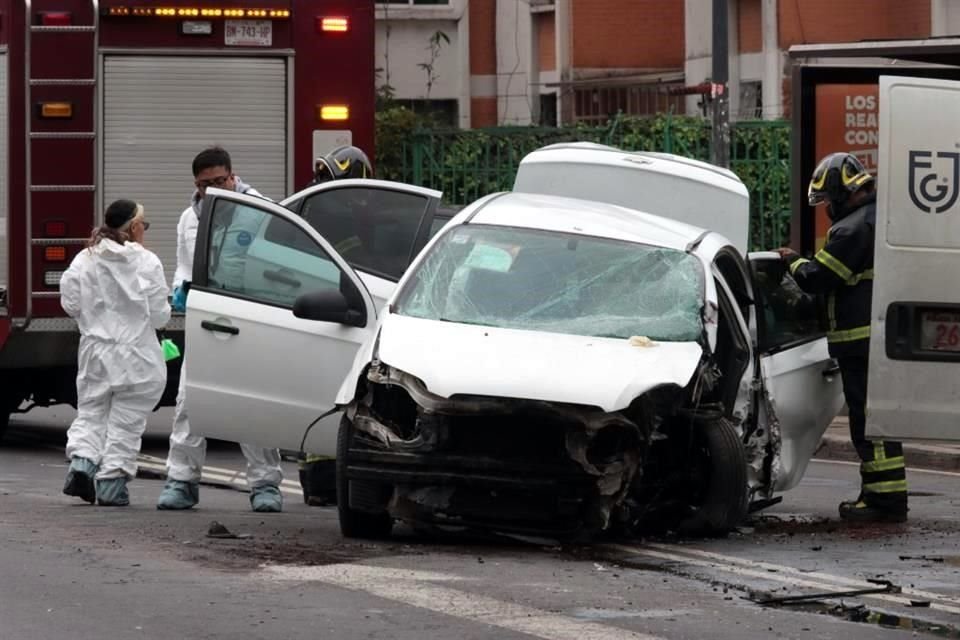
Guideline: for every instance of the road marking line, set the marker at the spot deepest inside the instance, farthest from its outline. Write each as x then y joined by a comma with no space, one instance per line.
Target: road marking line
768,566
766,575
235,479
414,588
240,475
934,472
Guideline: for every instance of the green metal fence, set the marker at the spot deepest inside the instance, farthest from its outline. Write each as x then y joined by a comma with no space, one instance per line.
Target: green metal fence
468,164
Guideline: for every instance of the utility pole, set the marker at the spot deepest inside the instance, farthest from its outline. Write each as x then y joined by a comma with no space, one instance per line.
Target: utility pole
720,139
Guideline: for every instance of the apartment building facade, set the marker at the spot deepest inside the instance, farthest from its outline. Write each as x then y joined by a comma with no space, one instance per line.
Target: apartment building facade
483,63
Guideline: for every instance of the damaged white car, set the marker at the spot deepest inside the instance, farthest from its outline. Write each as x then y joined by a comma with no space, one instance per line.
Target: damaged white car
547,365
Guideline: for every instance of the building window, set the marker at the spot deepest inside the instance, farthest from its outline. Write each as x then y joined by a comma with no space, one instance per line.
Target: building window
751,101
601,103
548,110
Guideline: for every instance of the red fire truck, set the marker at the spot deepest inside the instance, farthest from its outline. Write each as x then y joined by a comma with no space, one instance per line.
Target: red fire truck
112,98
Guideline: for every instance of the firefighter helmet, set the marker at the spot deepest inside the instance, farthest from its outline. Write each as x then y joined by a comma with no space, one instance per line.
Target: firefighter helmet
342,162
836,177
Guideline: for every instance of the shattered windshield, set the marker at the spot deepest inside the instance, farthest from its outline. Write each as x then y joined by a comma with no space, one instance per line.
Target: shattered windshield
557,282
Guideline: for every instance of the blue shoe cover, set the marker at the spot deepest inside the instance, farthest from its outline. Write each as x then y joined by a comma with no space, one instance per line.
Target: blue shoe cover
79,481
178,494
266,499
112,492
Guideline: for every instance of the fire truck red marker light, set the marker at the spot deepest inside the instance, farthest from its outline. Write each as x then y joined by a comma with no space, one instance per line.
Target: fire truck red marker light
56,109
55,18
336,25
330,112
55,229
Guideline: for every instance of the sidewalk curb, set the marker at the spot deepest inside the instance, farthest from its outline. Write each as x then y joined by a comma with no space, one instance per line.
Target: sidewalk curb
918,456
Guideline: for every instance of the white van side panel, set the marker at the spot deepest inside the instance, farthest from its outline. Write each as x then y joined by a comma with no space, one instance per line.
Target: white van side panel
914,388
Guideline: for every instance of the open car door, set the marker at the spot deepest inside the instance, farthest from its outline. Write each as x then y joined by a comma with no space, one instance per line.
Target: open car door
377,226
914,378
255,373
802,383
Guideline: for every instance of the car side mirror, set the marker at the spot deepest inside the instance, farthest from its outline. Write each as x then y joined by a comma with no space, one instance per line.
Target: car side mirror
328,305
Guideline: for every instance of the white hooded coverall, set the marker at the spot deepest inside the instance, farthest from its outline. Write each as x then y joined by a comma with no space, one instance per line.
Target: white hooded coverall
118,296
187,451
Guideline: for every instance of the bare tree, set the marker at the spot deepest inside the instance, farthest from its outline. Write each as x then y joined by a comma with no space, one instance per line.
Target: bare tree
434,45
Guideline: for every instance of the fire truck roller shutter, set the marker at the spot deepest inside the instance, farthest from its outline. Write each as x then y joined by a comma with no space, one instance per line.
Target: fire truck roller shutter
4,165
160,111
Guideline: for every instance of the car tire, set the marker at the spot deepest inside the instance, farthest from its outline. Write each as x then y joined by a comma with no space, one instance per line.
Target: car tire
354,523
4,422
723,504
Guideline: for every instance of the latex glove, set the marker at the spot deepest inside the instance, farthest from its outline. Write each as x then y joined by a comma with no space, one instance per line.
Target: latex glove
179,302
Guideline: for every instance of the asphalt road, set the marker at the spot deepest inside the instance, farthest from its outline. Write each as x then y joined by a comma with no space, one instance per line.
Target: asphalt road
68,570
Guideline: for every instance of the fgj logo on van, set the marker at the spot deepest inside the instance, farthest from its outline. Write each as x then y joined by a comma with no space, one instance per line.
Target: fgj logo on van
934,189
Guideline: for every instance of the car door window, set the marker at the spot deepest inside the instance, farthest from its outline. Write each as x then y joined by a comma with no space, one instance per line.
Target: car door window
257,255
786,316
373,228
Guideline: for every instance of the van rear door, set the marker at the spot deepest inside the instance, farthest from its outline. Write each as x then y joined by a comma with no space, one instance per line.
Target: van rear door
914,390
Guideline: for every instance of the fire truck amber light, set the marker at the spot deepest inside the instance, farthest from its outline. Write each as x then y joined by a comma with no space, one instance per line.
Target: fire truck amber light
52,278
56,110
333,112
55,254
195,12
337,25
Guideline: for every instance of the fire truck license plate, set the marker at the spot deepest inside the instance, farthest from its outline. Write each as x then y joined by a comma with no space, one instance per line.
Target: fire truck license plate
248,33
940,331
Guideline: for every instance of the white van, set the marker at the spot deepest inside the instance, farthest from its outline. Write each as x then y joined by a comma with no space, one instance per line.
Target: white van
914,390
685,190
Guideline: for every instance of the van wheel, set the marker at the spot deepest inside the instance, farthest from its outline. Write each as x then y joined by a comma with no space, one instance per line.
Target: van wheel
355,523
4,421
720,502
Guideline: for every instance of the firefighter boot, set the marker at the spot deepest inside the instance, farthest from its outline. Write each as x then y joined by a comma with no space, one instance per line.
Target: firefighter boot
319,481
860,511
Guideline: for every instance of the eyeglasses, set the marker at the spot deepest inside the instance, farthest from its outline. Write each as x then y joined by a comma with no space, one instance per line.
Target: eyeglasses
219,181
146,225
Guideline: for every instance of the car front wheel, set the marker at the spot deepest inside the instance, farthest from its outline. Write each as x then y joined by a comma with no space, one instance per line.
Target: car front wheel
721,502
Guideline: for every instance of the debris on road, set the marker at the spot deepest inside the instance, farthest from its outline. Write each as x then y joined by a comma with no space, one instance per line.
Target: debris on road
217,530
883,586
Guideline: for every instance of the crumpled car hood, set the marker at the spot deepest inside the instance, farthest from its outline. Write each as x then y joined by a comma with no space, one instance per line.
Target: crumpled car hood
452,359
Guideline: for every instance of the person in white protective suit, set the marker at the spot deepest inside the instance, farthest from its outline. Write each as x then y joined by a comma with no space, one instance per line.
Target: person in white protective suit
211,168
117,292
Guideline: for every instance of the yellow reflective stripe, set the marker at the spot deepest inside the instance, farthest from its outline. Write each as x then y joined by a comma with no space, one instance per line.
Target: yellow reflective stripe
347,245
883,465
849,335
796,265
878,451
858,277
817,183
890,486
827,260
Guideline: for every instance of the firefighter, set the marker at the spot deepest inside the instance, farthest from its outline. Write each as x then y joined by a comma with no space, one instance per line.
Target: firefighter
843,270
341,163
211,168
117,293
317,473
